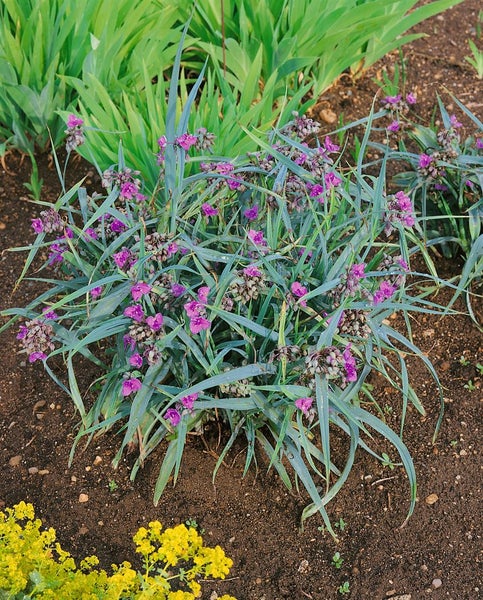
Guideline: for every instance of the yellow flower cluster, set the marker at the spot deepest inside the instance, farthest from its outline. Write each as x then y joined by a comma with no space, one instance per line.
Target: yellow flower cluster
34,564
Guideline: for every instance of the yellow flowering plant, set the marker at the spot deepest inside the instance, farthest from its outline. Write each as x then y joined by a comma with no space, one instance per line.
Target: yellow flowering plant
33,564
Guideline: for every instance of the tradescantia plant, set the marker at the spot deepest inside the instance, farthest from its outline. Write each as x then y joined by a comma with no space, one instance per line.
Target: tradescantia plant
444,177
255,291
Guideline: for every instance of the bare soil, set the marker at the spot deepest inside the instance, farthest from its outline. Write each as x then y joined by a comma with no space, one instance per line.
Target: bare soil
436,555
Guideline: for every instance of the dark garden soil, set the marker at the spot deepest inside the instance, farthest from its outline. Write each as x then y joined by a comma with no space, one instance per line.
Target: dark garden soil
255,519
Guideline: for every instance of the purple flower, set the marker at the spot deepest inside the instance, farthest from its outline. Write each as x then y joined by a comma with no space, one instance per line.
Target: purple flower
136,360
251,213
74,121
37,225
357,270
208,210
424,161
203,294
37,356
156,322
385,291
49,314
186,140
349,364
128,190
392,99
177,290
330,146
411,98
331,180
56,253
139,289
394,126
257,237
172,248
193,308
479,143
301,159
96,292
23,331
134,312
299,290
404,203
69,234
130,386
316,190
304,404
454,122
198,324
173,416
91,233
122,257
224,168
129,342
233,184
252,271
162,143
189,401
117,226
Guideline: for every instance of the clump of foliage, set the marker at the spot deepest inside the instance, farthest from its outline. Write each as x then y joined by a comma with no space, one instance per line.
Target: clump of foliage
34,565
444,179
259,53
255,291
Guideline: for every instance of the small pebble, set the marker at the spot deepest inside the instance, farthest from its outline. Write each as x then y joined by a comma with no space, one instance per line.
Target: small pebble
44,472
15,460
436,583
431,499
328,115
83,498
33,470
97,460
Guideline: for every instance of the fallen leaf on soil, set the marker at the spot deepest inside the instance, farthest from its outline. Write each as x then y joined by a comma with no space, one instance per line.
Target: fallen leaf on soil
431,499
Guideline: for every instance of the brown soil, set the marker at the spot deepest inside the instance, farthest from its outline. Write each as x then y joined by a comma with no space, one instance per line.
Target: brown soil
254,518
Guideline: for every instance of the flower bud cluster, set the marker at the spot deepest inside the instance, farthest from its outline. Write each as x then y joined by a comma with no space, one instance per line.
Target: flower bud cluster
301,126
75,133
353,323
236,389
160,245
248,284
332,363
288,353
36,336
223,174
399,210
